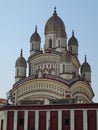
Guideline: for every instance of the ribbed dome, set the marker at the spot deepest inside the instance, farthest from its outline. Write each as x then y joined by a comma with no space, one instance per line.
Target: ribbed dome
85,67
21,61
73,40
35,36
55,25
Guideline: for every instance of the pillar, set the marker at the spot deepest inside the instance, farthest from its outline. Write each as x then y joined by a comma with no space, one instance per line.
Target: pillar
36,120
72,121
15,120
85,123
59,119
26,120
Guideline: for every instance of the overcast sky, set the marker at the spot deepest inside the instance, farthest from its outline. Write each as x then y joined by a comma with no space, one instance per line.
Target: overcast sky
17,23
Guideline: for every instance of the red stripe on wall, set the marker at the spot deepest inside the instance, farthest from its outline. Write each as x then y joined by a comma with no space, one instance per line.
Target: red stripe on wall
20,120
92,124
42,120
1,124
10,120
65,120
78,120
53,120
31,120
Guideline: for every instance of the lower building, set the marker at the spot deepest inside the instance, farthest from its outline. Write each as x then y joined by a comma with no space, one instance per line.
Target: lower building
50,117
3,102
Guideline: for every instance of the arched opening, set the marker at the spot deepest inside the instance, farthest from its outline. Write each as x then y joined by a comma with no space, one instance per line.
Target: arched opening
63,68
32,47
70,48
17,73
50,43
58,43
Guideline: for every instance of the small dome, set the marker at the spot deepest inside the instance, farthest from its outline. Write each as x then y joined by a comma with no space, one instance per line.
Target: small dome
35,36
73,40
85,66
21,61
55,25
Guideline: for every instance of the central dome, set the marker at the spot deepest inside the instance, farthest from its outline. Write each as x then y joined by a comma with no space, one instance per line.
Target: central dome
55,25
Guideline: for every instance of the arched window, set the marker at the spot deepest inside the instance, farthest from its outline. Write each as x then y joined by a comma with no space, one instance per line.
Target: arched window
58,43
74,74
29,68
50,43
32,46
83,76
63,68
70,48
17,72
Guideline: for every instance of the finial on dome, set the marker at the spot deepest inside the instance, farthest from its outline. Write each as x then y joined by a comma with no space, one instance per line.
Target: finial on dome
36,28
55,11
85,59
21,53
73,33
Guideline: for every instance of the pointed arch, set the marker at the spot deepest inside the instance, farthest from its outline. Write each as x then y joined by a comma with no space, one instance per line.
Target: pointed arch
59,43
50,43
63,68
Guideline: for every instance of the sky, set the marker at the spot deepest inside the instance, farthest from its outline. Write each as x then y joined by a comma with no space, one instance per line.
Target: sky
17,23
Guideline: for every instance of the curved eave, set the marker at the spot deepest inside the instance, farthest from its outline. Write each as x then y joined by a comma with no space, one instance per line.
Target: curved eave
35,54
51,77
76,59
45,76
81,80
40,54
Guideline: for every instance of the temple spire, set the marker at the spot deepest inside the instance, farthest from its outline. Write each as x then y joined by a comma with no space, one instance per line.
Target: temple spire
73,33
36,28
21,53
85,59
55,11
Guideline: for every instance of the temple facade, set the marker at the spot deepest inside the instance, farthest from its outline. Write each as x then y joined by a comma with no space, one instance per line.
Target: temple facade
55,72
52,90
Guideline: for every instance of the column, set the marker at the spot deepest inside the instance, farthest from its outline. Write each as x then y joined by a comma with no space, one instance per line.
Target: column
26,120
85,123
72,120
47,120
15,120
36,120
97,118
59,119
5,120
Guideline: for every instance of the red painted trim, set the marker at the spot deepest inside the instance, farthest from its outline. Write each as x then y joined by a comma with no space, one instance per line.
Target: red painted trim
10,120
1,124
53,120
92,124
42,120
49,107
78,119
65,115
20,120
31,120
